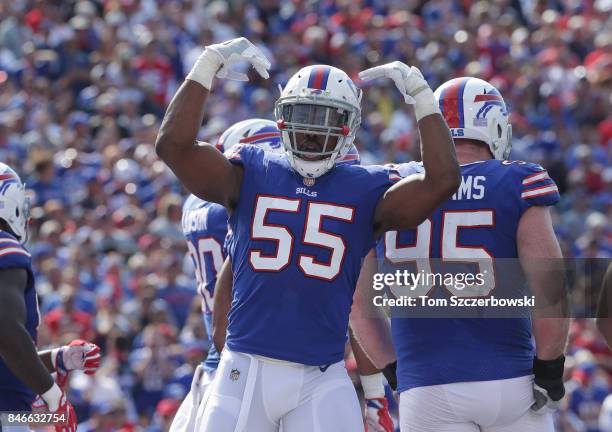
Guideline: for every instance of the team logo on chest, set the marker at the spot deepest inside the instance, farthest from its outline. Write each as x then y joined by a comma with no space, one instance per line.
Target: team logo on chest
309,182
234,374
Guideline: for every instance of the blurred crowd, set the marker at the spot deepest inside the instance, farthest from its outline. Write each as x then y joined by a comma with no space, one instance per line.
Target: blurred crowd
84,85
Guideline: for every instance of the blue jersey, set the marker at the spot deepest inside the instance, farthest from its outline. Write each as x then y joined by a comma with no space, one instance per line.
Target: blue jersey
205,227
480,221
14,394
296,248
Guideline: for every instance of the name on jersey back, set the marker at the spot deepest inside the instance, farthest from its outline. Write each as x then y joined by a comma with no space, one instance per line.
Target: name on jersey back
471,188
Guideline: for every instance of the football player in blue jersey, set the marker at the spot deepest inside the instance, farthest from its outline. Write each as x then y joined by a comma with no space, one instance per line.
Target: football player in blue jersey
205,227
300,229
478,374
25,374
376,412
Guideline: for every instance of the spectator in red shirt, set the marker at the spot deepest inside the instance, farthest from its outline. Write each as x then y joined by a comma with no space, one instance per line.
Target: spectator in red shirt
66,322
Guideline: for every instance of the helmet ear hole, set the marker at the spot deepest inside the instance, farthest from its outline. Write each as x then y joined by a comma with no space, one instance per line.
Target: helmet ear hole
17,211
499,131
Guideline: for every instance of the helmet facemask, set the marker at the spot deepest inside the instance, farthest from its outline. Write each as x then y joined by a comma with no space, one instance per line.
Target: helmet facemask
315,135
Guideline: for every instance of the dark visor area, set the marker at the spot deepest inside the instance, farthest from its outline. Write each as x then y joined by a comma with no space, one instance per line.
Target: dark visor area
315,115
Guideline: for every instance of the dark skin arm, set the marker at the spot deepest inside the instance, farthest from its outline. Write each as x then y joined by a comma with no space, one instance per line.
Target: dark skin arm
199,166
16,346
222,304
45,358
410,201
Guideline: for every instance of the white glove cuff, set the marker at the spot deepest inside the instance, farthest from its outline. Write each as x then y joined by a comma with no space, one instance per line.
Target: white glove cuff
52,397
205,68
425,104
372,385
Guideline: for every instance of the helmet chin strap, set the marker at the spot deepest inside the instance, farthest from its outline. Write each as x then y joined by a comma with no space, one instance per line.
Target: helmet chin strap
311,169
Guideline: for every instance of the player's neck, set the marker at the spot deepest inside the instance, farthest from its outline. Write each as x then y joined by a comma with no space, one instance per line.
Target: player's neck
467,153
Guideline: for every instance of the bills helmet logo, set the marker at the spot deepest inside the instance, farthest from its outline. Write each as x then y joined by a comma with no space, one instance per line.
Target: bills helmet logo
491,99
7,179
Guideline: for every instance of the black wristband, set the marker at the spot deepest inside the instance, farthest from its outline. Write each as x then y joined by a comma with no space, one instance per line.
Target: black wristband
549,369
390,374
549,375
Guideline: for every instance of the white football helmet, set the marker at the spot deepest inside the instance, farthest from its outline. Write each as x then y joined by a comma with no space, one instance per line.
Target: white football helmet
475,109
14,204
318,100
259,132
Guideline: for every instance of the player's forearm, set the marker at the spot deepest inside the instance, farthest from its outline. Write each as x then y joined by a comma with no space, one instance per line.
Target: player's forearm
203,170
19,353
550,336
45,358
605,327
181,123
364,364
373,334
442,172
425,192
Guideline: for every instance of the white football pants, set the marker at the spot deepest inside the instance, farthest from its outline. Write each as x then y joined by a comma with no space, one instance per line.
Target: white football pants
254,393
481,406
185,418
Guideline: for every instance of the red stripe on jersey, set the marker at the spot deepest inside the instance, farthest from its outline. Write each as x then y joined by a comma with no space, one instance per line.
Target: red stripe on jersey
13,251
533,178
539,191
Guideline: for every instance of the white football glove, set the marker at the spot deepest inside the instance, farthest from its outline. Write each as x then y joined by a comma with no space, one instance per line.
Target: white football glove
410,83
377,416
78,355
55,401
218,60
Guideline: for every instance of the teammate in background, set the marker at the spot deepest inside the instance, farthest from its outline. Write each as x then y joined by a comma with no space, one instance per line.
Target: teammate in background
25,373
377,416
475,374
300,228
205,228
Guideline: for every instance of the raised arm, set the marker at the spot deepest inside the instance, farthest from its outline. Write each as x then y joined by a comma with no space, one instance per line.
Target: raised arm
409,202
200,167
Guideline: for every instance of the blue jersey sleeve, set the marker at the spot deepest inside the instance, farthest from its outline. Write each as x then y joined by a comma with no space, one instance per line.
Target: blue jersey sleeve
12,253
536,188
248,156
